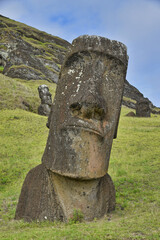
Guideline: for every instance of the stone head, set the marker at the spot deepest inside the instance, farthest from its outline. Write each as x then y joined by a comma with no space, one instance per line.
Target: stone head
143,108
44,94
86,108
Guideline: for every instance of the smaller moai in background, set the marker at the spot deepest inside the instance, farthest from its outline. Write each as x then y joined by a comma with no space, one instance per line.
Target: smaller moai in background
130,114
143,108
46,100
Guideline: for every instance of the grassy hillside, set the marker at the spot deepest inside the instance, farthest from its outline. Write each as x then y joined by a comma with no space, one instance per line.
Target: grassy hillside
17,93
134,167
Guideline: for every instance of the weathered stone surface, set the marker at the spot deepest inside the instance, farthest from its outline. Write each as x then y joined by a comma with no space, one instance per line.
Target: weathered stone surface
38,200
86,108
46,100
143,108
94,198
83,122
48,196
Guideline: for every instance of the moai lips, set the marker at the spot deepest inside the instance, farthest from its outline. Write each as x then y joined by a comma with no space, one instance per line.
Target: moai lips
86,108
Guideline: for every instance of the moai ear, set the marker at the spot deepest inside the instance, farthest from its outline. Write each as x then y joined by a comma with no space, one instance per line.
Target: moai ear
49,119
116,129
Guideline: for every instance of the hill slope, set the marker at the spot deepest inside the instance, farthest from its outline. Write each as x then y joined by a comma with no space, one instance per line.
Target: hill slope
29,54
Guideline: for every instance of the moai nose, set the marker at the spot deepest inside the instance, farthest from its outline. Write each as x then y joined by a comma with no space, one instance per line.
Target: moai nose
89,107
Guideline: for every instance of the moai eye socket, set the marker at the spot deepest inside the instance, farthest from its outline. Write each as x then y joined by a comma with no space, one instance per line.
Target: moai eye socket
75,106
74,60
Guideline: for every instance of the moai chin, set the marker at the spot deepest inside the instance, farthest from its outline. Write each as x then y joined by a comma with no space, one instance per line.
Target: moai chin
46,100
83,122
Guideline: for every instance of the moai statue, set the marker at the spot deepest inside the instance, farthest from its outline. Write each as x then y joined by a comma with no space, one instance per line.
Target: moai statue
143,108
46,100
83,122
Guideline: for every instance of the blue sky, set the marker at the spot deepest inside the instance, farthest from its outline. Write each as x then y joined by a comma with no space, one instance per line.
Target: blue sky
136,23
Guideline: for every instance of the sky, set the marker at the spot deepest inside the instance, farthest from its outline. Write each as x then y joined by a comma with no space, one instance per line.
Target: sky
136,23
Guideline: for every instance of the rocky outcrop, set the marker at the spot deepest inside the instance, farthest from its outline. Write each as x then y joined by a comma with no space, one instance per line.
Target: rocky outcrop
132,92
28,53
132,95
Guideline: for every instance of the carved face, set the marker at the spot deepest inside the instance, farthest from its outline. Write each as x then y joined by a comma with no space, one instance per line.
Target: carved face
44,94
85,115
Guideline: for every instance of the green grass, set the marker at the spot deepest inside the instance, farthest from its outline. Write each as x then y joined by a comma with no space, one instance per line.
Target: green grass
3,47
51,69
128,99
134,167
23,66
54,45
45,57
1,69
34,42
